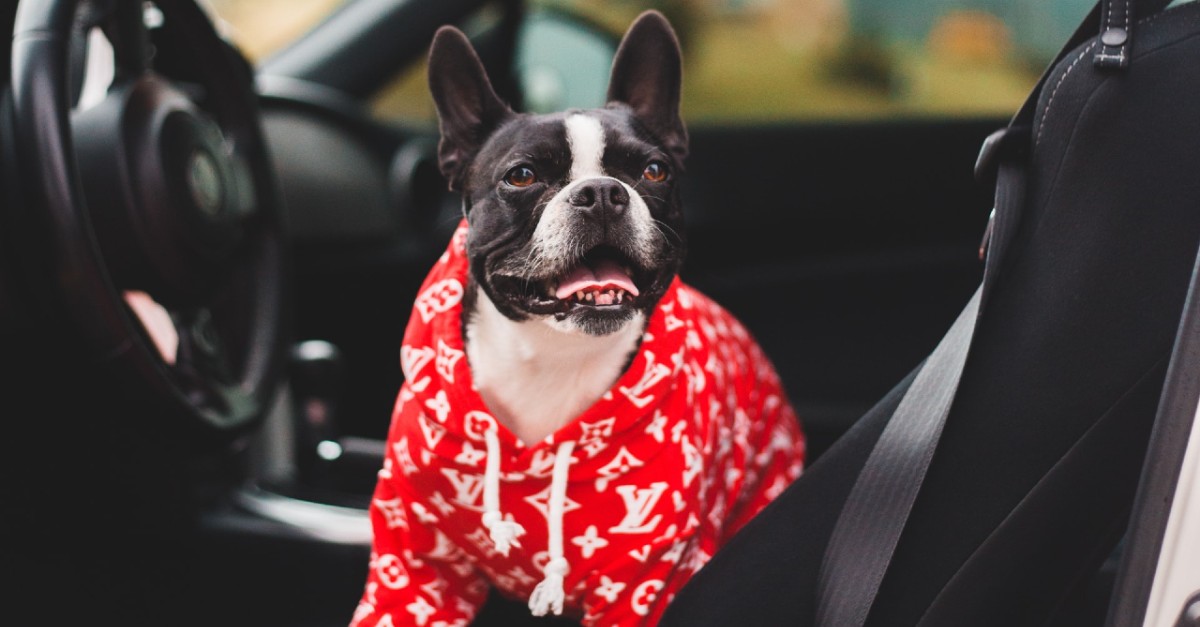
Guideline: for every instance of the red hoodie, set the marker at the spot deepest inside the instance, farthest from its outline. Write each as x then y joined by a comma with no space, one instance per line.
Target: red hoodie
605,519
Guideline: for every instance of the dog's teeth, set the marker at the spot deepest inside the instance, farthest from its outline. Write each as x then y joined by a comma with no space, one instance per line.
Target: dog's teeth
620,296
589,297
579,295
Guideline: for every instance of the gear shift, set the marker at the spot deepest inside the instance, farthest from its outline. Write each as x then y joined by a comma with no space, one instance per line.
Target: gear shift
317,379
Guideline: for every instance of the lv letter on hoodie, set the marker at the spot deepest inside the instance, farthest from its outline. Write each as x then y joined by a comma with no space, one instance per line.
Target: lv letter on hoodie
603,520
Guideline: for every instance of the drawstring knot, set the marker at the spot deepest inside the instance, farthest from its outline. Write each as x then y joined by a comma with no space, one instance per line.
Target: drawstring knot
504,533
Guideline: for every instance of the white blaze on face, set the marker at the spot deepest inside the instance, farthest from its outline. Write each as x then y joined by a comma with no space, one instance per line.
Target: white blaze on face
586,138
552,241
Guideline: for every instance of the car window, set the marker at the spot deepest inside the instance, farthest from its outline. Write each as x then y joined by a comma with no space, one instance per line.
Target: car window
766,60
406,97
749,61
261,27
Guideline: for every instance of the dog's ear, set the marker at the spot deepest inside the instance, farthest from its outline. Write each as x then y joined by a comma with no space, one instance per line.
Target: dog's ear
468,108
647,75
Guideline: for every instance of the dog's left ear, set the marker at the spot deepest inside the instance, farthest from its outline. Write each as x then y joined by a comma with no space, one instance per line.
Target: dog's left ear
468,108
647,75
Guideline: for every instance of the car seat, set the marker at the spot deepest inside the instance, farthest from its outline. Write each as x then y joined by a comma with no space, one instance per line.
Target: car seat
1030,487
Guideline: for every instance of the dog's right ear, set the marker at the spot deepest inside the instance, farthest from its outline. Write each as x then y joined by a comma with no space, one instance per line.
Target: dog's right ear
468,108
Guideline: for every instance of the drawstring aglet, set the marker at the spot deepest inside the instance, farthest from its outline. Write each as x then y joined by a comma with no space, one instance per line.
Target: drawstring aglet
548,595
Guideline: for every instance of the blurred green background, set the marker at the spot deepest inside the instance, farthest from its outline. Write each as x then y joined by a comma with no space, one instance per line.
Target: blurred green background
760,61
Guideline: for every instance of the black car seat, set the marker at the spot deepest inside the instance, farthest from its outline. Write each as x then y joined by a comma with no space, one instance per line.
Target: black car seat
1030,487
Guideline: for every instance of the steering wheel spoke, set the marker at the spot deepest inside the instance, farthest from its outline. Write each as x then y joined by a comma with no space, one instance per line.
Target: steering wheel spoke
204,366
202,350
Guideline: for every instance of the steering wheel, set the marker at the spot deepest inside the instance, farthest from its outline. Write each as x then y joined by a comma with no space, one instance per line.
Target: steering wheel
161,188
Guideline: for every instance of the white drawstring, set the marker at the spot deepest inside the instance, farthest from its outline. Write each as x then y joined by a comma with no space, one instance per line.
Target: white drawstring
504,533
549,593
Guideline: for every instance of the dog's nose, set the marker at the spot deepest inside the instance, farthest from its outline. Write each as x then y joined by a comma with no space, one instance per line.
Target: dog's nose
603,199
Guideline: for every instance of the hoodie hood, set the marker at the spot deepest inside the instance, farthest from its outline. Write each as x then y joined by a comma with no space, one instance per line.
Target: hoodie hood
438,378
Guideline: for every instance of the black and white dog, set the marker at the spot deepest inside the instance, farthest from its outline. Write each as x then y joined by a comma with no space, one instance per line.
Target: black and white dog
634,424
576,225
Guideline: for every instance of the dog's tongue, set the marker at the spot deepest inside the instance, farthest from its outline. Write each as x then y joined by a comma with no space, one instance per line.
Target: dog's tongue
605,275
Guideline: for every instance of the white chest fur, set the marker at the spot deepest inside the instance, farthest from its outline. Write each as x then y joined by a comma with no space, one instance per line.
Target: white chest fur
534,376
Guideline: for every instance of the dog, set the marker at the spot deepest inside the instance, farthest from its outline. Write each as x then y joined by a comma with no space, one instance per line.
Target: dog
576,426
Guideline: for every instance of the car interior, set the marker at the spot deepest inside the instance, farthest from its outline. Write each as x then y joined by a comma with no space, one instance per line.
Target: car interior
229,483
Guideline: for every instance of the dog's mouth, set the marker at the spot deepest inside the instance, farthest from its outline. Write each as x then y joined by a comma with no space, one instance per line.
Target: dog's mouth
603,279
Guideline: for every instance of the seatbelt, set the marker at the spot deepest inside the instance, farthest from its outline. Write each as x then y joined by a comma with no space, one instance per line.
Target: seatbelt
868,528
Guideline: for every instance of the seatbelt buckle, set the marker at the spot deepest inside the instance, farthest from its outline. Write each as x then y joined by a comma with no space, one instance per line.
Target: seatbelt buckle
1006,143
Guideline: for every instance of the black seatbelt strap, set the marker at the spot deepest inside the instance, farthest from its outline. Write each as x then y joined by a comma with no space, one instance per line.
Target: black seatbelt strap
875,512
877,508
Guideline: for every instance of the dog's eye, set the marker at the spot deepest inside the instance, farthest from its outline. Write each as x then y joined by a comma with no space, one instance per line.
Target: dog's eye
656,172
520,176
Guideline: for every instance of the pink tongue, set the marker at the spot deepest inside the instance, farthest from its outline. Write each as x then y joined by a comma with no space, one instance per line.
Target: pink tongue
605,276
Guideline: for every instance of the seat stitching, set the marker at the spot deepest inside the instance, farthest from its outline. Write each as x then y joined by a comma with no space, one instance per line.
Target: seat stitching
1046,112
